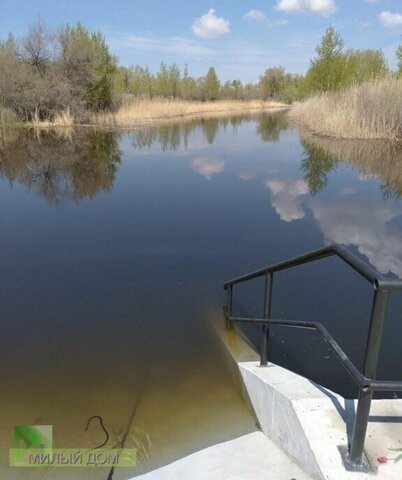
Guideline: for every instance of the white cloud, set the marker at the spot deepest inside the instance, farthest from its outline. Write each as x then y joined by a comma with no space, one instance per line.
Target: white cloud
286,198
208,166
169,45
365,225
210,25
390,20
255,15
258,16
322,7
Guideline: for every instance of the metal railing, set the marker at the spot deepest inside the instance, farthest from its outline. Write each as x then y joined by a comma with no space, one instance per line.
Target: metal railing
366,381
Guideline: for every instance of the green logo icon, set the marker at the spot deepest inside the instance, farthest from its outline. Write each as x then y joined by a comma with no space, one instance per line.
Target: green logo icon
33,447
33,436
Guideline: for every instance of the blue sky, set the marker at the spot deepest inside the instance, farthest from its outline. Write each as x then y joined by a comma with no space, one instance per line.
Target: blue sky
239,38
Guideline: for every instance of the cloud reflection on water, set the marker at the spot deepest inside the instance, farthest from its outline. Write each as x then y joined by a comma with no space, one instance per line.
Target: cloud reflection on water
208,167
286,197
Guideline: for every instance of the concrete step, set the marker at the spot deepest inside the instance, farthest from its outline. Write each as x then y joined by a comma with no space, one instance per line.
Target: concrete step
250,457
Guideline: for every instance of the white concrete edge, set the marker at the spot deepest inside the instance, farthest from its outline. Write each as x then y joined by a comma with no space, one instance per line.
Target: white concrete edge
277,417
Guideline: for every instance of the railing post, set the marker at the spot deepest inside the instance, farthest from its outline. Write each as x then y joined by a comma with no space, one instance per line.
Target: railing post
230,296
377,320
267,314
228,309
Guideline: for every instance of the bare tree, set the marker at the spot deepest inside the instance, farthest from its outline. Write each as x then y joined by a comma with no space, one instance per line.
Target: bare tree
35,47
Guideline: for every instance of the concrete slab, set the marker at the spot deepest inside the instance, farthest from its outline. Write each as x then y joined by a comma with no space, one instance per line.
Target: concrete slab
250,457
311,423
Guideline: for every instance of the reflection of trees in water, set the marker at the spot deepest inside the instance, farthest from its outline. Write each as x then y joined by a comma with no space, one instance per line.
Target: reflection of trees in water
270,126
391,191
316,165
169,136
59,168
210,128
172,136
379,159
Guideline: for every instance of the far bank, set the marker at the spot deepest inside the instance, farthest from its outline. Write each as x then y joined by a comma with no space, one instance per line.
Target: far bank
144,113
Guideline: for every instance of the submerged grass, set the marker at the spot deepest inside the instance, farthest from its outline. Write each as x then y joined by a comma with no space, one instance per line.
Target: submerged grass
371,110
149,112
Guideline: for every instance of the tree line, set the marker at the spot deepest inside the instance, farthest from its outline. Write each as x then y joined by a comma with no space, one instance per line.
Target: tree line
47,72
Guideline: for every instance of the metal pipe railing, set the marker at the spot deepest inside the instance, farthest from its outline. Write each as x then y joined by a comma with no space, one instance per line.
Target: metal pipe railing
367,380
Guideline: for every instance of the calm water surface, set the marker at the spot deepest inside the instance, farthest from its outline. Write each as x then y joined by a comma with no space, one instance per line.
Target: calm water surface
114,248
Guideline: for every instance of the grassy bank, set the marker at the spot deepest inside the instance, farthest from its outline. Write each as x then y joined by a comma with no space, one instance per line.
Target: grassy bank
146,112
141,113
370,110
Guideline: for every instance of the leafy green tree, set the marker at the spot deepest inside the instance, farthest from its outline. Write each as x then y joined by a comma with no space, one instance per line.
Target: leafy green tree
237,89
162,79
88,64
9,73
295,88
325,72
331,45
226,90
174,80
148,82
363,65
250,91
272,83
185,84
100,90
211,85
123,80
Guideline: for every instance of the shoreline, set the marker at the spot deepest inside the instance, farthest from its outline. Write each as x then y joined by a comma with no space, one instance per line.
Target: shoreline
113,120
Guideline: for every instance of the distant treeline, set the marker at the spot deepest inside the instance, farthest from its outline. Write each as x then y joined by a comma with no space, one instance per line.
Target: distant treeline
47,72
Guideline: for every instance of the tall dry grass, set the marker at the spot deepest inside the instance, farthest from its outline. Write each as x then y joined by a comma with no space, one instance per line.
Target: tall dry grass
370,110
147,112
61,119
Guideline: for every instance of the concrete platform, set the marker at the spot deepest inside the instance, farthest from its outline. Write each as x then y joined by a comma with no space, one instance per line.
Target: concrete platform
250,457
313,425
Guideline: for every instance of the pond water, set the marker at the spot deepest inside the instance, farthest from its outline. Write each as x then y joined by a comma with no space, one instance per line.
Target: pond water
114,249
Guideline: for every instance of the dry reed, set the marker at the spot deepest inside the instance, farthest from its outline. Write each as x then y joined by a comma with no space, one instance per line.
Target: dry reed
370,110
148,112
61,119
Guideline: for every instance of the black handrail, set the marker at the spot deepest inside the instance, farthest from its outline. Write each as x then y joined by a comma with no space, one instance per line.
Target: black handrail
361,380
366,381
356,263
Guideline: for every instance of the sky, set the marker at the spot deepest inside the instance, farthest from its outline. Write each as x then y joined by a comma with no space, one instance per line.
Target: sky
239,38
